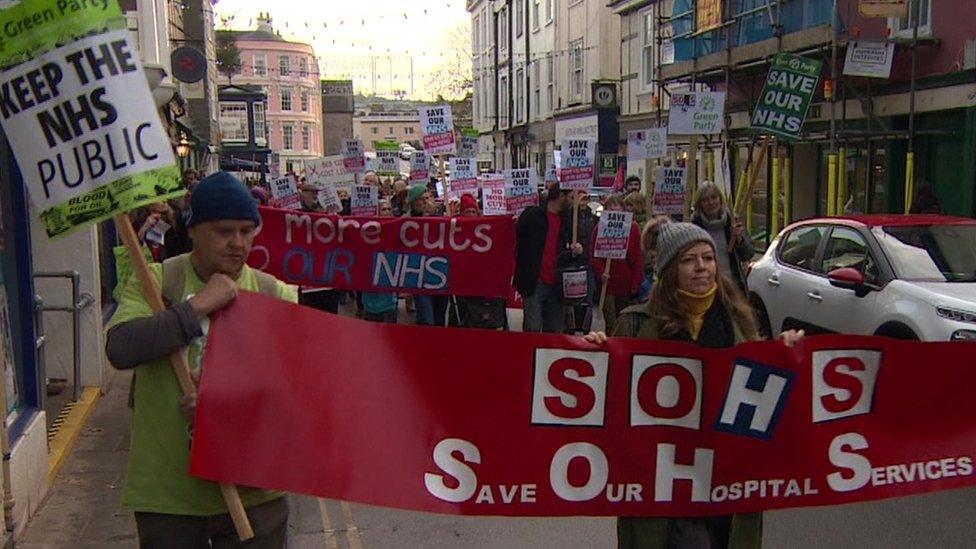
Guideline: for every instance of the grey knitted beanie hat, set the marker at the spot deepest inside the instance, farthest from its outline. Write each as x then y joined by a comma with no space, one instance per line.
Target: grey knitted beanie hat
672,237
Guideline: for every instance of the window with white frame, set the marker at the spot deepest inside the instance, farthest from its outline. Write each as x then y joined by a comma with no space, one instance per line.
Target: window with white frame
536,8
306,136
503,27
303,67
519,96
261,65
537,85
576,69
260,125
233,122
550,11
286,99
284,66
648,52
550,82
408,130
287,137
304,100
519,17
902,27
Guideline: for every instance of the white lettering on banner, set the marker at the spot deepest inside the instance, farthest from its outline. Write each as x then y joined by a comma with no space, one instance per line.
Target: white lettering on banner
668,471
666,391
459,471
858,465
559,471
436,234
763,488
570,387
843,383
764,405
83,117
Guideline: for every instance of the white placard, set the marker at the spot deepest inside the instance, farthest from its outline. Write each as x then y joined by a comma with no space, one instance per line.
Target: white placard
364,200
696,113
328,170
354,155
419,166
284,192
870,59
647,144
613,234
437,126
520,190
669,191
577,163
493,195
464,180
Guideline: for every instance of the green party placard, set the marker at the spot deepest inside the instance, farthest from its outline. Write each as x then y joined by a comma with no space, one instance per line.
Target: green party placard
35,26
786,96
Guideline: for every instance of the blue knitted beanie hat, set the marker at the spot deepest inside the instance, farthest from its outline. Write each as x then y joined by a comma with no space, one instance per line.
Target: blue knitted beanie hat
222,196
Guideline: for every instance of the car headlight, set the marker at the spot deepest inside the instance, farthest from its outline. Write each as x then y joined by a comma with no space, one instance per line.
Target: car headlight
956,314
963,335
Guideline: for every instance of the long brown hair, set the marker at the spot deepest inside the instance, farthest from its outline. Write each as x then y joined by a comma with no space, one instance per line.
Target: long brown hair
672,314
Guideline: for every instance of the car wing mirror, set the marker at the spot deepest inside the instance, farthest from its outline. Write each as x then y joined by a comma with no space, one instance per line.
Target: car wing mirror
848,279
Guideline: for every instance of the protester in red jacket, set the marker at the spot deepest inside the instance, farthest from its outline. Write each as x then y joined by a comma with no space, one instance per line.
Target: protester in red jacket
625,276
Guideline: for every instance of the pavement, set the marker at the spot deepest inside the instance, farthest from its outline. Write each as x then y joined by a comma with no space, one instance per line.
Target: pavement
83,511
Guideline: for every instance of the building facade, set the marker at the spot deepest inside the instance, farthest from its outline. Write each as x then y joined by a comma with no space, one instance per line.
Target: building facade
371,126
536,63
288,73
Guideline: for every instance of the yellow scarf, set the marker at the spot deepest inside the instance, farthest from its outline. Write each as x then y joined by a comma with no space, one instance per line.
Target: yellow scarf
699,305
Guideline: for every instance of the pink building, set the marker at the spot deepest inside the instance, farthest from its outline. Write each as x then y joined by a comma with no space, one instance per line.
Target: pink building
289,73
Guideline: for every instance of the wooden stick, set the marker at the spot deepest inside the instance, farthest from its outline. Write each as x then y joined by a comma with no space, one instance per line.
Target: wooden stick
575,217
447,190
603,290
740,209
178,359
691,178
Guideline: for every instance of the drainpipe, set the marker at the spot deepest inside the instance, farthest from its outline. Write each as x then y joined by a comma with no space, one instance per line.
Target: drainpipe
910,157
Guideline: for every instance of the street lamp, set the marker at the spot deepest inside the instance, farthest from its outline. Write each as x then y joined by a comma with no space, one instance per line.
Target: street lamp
183,147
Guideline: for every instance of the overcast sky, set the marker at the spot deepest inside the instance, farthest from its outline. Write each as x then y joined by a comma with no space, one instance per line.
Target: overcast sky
358,39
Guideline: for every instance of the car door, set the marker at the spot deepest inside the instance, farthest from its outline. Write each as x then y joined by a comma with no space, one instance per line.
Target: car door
838,309
788,282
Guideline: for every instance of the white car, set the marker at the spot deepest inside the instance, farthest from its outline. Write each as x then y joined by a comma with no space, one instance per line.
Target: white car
902,276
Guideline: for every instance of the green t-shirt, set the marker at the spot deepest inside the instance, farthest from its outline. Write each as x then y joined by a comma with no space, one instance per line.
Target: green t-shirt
157,479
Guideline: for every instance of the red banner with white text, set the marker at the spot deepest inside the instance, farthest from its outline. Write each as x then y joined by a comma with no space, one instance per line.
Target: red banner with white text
472,256
493,423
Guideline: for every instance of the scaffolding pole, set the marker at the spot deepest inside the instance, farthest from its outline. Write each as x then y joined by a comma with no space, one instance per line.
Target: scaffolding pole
910,156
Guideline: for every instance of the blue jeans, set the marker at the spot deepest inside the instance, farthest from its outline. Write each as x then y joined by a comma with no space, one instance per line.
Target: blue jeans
543,311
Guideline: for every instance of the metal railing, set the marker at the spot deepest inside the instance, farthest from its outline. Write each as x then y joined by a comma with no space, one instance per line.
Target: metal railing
79,302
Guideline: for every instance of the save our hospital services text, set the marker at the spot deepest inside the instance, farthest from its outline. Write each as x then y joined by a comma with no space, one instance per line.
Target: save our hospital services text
632,428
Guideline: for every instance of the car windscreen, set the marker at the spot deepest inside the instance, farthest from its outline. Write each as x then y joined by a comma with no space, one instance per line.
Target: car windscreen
931,253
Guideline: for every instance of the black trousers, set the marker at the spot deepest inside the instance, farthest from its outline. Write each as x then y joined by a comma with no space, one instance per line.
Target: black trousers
161,531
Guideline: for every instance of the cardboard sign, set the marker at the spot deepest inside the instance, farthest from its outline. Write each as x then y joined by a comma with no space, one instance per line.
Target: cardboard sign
284,193
634,427
419,167
883,8
520,190
613,234
869,59
696,113
708,15
647,144
112,156
493,194
468,144
669,191
425,255
328,170
364,200
577,167
437,126
464,180
328,199
354,156
388,158
785,98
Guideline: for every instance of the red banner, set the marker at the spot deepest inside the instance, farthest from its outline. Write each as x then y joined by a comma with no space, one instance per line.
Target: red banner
494,423
473,256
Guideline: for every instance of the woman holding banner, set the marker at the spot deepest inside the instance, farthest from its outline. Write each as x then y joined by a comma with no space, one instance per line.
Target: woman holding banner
692,302
733,246
623,280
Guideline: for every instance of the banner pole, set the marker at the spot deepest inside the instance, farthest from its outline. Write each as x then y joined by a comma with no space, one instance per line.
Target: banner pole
178,359
740,209
603,290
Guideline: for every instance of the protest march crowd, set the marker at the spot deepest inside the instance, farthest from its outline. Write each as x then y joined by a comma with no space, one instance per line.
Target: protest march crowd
672,280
